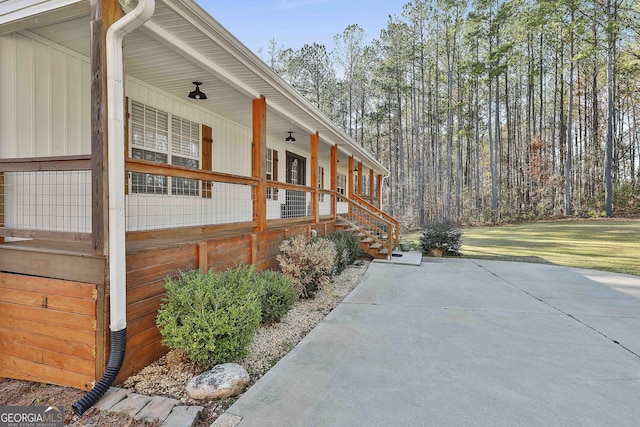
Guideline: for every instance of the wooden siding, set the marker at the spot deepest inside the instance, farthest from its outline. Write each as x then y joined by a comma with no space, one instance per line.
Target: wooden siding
47,330
60,260
148,267
44,107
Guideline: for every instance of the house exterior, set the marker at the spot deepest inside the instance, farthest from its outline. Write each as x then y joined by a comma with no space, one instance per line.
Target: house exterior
111,181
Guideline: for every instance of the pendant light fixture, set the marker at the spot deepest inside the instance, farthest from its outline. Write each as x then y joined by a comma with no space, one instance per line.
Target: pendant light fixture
290,138
197,93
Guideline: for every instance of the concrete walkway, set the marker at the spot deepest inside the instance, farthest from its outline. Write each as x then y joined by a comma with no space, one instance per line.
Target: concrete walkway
459,342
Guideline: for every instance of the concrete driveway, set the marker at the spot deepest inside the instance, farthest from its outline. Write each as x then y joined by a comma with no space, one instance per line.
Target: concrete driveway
458,342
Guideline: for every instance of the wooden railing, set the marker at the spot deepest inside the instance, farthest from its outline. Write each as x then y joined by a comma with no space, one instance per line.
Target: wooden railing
50,198
382,213
35,196
381,229
295,202
165,196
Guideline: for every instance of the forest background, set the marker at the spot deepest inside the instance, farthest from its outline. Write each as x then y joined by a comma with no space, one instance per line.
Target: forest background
488,110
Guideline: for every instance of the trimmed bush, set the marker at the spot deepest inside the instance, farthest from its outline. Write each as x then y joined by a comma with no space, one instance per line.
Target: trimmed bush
441,235
211,317
347,249
308,262
277,295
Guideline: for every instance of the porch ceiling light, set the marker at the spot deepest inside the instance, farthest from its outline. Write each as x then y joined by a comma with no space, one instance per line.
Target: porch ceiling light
197,93
290,138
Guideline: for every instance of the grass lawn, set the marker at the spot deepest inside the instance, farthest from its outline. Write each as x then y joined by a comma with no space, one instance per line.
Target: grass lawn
603,244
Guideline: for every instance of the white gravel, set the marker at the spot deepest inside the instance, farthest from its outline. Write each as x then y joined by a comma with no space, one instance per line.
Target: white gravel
169,375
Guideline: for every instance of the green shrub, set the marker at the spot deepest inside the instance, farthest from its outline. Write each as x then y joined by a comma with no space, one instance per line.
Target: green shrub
441,235
210,317
347,249
308,262
277,295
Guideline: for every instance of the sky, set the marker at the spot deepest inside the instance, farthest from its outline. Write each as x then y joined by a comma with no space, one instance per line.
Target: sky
294,23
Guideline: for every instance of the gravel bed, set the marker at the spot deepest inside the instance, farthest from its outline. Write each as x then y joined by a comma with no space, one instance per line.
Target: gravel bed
169,375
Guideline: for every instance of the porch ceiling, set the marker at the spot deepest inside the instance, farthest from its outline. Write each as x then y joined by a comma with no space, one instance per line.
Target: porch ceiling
182,44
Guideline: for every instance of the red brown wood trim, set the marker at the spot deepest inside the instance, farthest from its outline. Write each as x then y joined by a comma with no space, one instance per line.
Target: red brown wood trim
202,257
103,13
350,176
65,236
207,159
314,175
36,164
370,192
274,161
287,186
379,190
359,178
1,204
254,249
259,161
154,168
334,178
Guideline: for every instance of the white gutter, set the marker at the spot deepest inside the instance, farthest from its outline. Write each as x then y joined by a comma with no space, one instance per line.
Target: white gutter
115,146
115,128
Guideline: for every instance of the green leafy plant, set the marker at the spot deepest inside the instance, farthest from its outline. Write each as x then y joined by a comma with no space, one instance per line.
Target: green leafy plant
308,262
441,235
347,249
210,317
277,295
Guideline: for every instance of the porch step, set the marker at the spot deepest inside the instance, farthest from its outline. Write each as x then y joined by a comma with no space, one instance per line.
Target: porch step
372,241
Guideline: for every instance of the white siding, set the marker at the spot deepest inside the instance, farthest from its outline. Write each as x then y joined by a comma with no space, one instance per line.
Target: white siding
44,107
231,154
231,141
11,10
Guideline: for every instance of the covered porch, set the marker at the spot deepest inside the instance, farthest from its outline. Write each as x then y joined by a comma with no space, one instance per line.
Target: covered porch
207,183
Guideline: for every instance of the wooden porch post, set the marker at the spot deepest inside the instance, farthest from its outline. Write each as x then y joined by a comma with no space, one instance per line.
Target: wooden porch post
370,192
350,177
379,190
103,13
259,162
314,176
360,179
334,179
1,203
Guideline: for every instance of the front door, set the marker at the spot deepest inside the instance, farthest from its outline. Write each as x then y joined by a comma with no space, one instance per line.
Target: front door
295,201
296,169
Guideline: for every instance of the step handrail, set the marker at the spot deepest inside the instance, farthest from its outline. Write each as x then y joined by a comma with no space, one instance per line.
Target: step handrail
391,236
382,213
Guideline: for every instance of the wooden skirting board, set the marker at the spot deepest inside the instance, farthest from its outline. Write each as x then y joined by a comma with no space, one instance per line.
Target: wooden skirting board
56,329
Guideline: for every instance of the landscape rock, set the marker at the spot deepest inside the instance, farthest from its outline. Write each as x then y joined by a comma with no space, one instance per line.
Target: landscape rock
226,380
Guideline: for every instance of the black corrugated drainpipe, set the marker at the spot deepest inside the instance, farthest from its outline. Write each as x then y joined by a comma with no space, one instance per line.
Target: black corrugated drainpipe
116,357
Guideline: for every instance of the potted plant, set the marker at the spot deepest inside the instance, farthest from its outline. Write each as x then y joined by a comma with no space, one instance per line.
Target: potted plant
405,246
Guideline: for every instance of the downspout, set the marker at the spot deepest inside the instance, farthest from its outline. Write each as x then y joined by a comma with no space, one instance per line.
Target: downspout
115,142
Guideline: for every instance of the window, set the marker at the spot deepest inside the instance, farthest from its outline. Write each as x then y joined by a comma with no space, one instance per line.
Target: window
272,173
160,137
341,184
